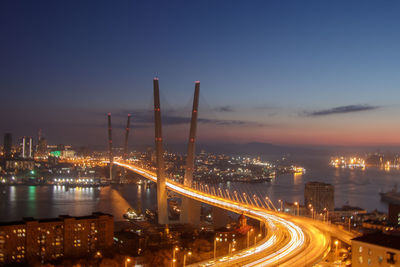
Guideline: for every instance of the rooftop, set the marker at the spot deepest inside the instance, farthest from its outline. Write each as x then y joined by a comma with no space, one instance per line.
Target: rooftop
349,208
60,218
380,239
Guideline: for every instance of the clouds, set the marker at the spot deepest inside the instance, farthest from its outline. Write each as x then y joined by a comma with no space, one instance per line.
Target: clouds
342,110
144,118
224,109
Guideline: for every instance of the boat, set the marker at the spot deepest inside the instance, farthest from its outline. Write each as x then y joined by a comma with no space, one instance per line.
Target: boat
392,196
131,214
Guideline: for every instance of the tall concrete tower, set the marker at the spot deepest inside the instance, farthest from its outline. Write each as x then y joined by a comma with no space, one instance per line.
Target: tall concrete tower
126,137
161,188
190,212
7,145
110,153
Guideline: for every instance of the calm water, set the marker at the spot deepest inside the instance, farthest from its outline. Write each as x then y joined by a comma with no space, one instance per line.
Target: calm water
354,187
50,201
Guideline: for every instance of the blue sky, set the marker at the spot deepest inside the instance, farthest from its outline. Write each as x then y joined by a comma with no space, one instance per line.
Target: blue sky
287,72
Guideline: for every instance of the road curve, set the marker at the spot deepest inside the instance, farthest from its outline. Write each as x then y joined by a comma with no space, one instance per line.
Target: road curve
292,241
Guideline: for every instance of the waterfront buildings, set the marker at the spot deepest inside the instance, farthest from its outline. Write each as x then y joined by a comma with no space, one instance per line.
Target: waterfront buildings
17,164
45,240
346,212
319,196
376,249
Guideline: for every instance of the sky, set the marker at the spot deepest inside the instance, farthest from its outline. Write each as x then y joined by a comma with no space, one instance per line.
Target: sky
280,72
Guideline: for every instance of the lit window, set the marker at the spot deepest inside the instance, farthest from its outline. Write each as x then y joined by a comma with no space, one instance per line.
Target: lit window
360,249
360,259
380,259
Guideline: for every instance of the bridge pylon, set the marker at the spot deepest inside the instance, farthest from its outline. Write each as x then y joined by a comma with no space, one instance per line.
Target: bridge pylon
128,123
190,211
110,147
161,180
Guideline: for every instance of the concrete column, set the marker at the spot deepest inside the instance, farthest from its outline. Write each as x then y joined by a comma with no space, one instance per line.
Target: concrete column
111,157
220,217
161,188
126,137
190,211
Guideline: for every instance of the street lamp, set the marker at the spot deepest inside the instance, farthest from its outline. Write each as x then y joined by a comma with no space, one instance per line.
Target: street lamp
327,214
297,204
184,258
215,247
255,238
281,202
336,247
248,237
173,256
98,254
127,260
312,210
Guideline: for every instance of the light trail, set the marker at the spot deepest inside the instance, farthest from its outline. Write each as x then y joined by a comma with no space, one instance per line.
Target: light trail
275,249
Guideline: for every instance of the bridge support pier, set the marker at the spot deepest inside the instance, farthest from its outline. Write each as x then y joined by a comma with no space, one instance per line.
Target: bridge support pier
190,211
110,152
220,217
161,180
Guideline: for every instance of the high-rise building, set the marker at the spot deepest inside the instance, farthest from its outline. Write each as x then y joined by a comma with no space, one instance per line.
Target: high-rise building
26,147
319,196
42,147
7,144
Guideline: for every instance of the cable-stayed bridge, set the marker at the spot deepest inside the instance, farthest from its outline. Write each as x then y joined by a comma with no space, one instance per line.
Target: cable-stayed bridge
290,240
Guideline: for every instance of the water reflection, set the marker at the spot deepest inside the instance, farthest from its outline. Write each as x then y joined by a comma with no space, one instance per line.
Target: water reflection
12,193
352,186
297,178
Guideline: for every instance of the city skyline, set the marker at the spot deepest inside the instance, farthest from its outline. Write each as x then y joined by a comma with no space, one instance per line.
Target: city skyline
283,73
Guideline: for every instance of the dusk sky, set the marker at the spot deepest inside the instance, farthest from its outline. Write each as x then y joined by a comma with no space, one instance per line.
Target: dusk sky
280,72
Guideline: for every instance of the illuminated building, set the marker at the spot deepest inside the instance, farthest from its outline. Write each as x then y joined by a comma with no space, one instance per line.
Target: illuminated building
376,249
319,196
231,234
345,212
19,164
42,147
394,214
7,145
26,147
68,153
45,240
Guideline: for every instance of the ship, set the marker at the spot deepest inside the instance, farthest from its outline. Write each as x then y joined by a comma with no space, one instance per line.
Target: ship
392,196
131,214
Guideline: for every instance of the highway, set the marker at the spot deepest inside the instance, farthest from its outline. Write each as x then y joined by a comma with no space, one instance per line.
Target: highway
291,240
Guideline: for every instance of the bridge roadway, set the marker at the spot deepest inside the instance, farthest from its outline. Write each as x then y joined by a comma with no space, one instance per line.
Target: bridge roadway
291,240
